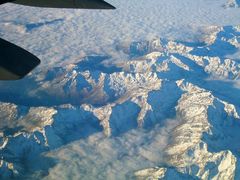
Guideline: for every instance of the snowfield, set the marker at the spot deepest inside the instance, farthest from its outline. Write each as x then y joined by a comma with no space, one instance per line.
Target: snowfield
149,91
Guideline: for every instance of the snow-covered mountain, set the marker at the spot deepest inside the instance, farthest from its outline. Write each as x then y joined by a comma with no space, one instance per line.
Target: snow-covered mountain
169,111
232,3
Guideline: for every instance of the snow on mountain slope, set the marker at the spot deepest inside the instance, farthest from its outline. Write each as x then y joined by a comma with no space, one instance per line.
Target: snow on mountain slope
203,119
17,124
112,100
170,110
232,3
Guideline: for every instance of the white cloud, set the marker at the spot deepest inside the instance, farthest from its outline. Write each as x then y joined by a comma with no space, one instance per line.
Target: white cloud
61,37
85,32
98,157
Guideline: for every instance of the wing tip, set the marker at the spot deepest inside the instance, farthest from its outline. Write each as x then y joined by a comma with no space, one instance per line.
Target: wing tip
109,6
71,4
15,62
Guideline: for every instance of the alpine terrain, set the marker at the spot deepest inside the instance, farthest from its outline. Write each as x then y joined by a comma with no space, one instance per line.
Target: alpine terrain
157,105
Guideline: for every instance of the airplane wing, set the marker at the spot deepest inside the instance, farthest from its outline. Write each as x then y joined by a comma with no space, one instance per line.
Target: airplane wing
77,4
15,62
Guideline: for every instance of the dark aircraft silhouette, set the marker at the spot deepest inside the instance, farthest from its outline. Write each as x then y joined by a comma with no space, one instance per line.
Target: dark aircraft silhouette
15,62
